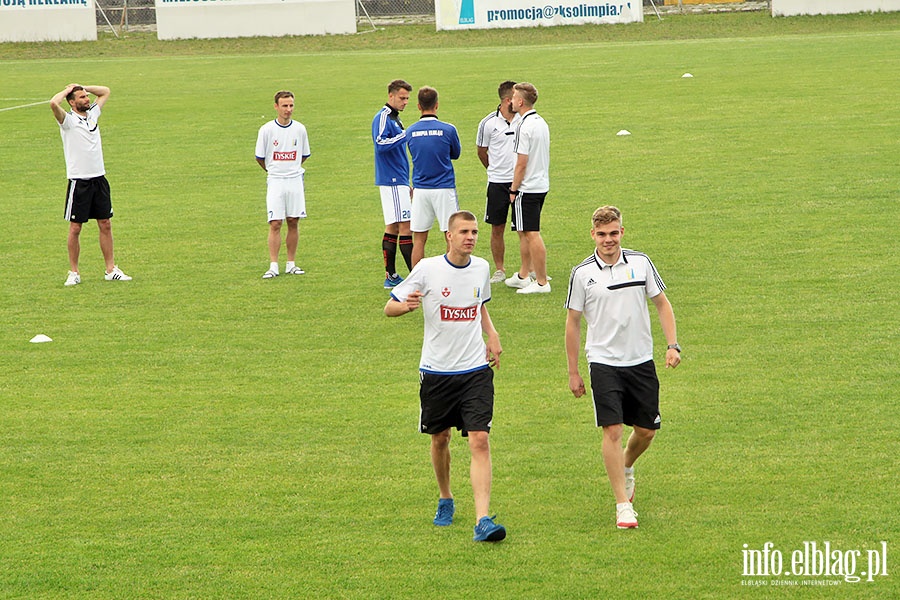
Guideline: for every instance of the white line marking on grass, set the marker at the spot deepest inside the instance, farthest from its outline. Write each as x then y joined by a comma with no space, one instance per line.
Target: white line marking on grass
24,105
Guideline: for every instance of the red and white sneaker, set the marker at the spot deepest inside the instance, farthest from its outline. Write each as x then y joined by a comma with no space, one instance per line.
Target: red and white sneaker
626,518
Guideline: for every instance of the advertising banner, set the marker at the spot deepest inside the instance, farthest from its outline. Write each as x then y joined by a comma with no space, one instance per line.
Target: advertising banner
179,19
47,21
789,8
489,14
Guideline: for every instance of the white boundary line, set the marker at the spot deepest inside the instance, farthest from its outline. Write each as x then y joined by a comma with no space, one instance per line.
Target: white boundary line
24,105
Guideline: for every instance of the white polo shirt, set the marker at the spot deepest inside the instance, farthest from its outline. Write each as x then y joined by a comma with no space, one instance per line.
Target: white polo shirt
82,145
613,300
533,138
451,306
497,135
283,148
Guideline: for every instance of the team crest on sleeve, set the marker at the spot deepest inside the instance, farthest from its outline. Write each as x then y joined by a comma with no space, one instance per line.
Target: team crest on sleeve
445,292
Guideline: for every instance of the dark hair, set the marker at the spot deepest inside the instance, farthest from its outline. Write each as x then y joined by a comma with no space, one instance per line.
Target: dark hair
506,89
428,98
397,85
283,94
71,95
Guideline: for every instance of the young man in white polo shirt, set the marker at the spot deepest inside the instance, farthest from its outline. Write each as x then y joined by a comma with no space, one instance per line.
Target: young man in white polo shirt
282,146
87,194
610,288
531,182
494,141
455,374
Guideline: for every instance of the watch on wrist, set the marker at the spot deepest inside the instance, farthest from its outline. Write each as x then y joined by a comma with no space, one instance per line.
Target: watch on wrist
674,346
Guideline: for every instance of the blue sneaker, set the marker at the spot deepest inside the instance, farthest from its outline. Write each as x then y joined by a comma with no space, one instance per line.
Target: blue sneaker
392,282
488,531
445,511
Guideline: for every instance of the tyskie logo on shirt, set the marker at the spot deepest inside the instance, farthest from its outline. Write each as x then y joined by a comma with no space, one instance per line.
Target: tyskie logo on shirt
456,313
292,155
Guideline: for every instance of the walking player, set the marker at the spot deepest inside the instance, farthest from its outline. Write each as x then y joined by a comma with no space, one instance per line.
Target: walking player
610,288
457,382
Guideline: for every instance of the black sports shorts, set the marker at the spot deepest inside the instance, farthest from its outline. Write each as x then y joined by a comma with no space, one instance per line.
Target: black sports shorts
464,401
496,209
527,211
628,395
88,199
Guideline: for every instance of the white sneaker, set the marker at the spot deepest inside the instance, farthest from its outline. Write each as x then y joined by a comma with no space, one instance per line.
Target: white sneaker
73,278
626,518
117,275
535,288
270,274
498,276
295,270
629,485
517,282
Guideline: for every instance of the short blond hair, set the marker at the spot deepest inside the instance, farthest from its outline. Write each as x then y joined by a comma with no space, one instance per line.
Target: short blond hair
528,93
606,215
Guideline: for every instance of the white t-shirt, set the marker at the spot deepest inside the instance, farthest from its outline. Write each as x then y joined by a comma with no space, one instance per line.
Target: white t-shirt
283,147
533,138
613,300
497,135
82,146
451,305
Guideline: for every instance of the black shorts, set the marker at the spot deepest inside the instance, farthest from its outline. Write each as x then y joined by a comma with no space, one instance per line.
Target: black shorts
464,401
496,210
628,395
527,211
88,199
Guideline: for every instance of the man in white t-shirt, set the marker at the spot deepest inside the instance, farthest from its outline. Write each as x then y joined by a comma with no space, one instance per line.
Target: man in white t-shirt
531,182
610,288
87,193
282,147
494,141
455,374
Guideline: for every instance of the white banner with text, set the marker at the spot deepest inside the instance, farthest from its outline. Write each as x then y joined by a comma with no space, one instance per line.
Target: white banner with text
47,21
789,8
490,14
181,19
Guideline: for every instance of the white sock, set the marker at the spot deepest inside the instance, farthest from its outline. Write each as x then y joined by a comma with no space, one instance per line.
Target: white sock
290,265
629,470
273,266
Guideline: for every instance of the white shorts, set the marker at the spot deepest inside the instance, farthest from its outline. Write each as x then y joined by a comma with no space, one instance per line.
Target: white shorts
285,198
395,203
429,205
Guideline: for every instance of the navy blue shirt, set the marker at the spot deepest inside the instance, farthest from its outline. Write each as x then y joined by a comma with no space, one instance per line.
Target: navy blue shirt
433,144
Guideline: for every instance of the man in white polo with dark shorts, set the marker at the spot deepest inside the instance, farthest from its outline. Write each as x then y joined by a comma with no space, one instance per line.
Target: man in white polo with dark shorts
87,193
282,147
531,182
455,374
610,288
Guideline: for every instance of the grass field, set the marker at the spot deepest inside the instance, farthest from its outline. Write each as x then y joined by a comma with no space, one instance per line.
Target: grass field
202,433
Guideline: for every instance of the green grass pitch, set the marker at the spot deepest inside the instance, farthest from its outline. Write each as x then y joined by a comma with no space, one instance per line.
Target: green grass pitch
202,433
